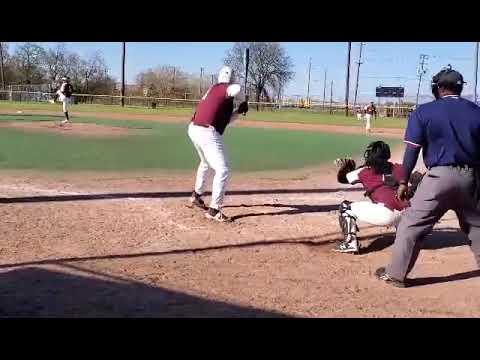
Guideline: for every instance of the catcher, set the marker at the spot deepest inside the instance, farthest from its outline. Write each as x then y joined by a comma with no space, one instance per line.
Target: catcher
382,181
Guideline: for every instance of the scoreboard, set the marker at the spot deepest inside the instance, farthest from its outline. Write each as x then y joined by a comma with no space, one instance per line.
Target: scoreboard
390,91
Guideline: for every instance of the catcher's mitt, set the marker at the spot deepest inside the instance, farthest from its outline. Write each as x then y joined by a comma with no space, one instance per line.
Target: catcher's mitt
344,167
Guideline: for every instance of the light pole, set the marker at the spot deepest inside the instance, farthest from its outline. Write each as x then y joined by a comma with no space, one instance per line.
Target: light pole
347,85
123,74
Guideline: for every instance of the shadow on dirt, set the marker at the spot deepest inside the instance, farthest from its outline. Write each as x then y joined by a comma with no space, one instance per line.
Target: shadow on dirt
443,279
33,291
438,239
306,240
297,209
160,195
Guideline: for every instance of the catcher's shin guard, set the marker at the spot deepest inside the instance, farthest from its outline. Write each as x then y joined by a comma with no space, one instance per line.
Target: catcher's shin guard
347,222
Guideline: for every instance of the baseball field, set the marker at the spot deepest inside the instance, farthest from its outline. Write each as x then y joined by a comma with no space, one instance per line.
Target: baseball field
94,221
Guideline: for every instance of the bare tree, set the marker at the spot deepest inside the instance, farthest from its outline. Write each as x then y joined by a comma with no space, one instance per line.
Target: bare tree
54,64
28,60
72,68
270,67
91,73
165,81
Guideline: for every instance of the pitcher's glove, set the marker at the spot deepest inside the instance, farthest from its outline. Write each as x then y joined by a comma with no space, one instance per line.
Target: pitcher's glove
243,108
344,167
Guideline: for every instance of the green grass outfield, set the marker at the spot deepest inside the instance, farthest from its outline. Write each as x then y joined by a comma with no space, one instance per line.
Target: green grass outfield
289,115
165,146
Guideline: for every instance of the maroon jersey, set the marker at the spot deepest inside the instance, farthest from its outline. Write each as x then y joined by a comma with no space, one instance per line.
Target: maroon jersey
379,192
371,109
215,109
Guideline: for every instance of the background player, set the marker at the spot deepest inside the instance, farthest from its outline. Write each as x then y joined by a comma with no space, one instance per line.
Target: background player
359,112
370,110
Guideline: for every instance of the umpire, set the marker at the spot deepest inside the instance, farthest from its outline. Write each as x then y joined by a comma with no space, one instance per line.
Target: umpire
448,132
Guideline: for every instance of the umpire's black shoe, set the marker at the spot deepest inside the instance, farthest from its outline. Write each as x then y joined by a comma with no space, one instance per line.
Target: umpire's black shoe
381,274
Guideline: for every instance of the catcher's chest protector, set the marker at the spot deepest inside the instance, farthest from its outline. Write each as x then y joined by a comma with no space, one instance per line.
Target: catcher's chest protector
388,180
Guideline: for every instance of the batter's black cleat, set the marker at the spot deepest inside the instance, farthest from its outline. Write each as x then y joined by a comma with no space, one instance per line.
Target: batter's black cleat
381,274
196,200
217,215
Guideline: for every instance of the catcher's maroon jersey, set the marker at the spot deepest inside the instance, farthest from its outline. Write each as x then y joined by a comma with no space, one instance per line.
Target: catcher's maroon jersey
215,109
382,193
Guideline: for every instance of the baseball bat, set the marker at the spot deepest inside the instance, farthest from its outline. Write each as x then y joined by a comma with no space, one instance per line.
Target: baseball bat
247,63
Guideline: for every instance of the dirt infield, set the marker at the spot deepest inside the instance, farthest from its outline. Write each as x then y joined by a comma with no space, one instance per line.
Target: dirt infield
388,133
86,244
78,129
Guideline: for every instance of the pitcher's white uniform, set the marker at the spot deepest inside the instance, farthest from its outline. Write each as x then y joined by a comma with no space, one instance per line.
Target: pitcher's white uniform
370,110
64,95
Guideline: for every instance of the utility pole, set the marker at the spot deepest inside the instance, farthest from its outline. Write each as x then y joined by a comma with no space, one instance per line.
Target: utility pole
2,74
347,85
358,72
475,73
213,79
173,87
331,95
421,71
324,88
308,85
201,80
123,74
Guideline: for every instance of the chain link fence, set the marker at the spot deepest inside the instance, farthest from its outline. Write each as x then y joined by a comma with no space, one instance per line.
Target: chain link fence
158,103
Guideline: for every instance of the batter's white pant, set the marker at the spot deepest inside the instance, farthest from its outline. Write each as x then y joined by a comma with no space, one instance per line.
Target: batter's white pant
368,118
212,152
374,214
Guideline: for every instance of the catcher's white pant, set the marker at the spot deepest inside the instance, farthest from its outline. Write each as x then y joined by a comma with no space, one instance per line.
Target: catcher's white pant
374,214
64,100
212,152
368,118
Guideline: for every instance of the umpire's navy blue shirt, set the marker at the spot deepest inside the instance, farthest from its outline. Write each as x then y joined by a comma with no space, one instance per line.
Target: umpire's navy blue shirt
448,130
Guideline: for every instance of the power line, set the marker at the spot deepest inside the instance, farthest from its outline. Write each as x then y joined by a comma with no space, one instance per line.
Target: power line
421,71
359,62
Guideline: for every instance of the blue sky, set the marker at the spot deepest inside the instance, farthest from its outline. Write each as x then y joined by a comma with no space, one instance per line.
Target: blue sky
382,62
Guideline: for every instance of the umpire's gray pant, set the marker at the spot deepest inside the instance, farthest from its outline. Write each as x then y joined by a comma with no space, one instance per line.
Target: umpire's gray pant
443,188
